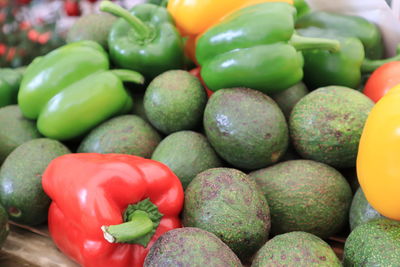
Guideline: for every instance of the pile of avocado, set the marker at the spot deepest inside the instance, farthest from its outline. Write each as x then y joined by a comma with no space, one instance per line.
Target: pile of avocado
264,176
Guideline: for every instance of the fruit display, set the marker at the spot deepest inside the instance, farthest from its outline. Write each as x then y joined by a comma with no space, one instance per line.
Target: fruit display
199,133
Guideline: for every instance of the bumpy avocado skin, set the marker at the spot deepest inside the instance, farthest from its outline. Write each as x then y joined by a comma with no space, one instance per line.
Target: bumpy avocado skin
94,27
246,128
190,247
227,203
305,195
174,101
127,134
21,191
288,98
361,211
186,153
4,227
326,125
375,243
296,249
15,130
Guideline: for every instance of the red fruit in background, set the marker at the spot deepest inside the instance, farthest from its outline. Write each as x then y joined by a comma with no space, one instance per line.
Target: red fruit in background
72,8
92,1
24,2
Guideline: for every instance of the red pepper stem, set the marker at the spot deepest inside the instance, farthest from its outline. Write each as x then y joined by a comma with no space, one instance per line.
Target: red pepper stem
142,30
129,76
305,43
369,65
139,225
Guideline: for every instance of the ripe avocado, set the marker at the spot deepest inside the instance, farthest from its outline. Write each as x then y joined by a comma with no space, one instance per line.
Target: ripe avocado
326,125
296,249
186,153
246,128
21,191
138,106
190,247
126,134
361,211
94,27
305,195
288,98
175,101
15,130
227,203
4,227
375,243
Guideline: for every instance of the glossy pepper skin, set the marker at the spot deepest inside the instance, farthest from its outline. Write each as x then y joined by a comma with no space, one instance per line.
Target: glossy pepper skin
344,68
144,39
70,90
10,80
193,17
256,48
90,191
346,26
378,161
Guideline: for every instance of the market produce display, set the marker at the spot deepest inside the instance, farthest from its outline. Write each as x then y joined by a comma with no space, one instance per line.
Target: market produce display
202,133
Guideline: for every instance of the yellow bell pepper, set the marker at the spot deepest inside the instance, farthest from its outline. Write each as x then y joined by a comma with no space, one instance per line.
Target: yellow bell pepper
378,161
193,17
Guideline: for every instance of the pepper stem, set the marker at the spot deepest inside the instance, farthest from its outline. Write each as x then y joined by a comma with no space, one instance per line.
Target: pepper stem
369,65
304,43
142,30
129,76
139,225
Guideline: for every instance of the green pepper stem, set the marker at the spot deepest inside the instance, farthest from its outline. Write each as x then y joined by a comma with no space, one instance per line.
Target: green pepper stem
142,30
129,76
303,43
139,225
369,65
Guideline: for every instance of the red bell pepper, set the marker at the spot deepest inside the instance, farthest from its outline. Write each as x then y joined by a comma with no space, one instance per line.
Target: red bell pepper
382,80
108,209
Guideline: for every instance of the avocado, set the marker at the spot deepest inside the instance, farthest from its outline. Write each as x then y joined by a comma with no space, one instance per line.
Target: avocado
10,80
326,125
305,195
138,107
375,243
174,101
15,130
190,247
94,27
4,227
288,98
296,249
21,191
351,175
126,134
361,211
186,153
227,203
246,128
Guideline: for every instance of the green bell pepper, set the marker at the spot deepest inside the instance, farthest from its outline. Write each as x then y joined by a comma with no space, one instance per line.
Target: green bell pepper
10,80
344,68
256,47
302,8
347,26
71,90
144,39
